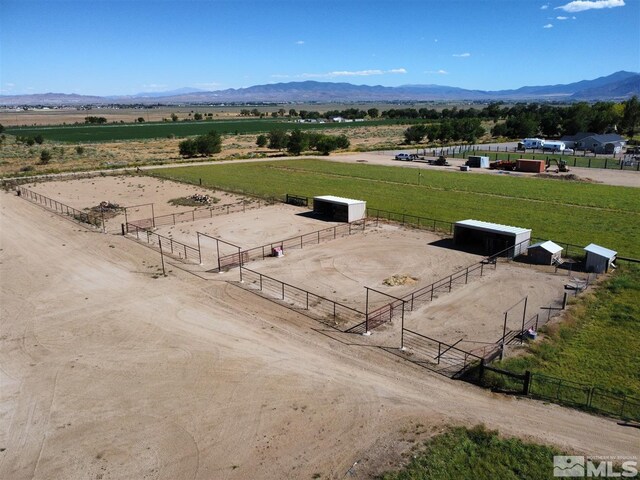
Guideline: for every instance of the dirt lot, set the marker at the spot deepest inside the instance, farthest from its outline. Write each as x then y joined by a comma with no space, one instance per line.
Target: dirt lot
340,269
108,372
126,191
249,229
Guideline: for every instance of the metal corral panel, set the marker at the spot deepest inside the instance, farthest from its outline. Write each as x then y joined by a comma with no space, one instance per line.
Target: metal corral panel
339,208
598,258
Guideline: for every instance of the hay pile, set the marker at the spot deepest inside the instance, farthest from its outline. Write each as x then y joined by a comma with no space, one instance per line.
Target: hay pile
400,279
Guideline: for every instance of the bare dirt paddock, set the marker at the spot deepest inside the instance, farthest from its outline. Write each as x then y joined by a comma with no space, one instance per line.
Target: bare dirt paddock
109,371
127,191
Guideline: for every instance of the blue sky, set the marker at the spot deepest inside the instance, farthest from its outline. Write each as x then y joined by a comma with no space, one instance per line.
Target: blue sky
108,47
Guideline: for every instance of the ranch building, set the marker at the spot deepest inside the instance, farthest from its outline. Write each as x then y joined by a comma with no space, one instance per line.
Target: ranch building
491,238
598,259
545,253
339,209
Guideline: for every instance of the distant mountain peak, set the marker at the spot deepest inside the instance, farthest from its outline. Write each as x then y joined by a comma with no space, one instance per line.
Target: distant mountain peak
617,86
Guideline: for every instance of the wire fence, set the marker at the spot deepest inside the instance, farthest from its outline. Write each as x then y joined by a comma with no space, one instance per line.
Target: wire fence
78,215
559,390
326,311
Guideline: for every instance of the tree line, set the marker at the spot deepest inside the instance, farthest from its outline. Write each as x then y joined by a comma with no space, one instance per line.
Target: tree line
298,141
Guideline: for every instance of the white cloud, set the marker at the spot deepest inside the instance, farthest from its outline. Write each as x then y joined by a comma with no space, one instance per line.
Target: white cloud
582,5
462,55
548,25
354,73
562,18
437,72
300,42
544,7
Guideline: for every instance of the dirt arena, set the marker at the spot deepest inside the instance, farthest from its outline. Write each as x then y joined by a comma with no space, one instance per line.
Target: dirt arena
109,371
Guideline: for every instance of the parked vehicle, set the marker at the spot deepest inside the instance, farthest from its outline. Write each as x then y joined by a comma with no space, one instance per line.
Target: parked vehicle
551,146
533,143
404,157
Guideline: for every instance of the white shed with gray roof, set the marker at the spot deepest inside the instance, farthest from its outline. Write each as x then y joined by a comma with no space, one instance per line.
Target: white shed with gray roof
598,258
340,209
492,238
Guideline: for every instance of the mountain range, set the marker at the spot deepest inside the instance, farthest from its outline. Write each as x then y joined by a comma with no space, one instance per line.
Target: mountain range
617,86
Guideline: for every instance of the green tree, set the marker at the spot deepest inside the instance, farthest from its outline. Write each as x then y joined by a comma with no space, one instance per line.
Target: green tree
188,148
326,144
292,112
209,144
297,142
415,133
45,157
1,128
39,139
262,140
197,116
174,117
373,113
278,139
631,116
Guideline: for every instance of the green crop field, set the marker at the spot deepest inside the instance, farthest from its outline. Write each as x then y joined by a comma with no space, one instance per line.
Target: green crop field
113,132
571,212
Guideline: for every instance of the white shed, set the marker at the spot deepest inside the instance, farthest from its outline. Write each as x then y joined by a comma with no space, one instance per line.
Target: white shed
545,253
598,258
492,238
340,209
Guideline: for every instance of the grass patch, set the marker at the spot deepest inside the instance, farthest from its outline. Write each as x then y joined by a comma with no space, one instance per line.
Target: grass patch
599,344
478,454
578,213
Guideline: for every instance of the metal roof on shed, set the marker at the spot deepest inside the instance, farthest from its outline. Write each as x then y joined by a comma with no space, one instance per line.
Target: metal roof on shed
340,200
493,227
549,246
598,250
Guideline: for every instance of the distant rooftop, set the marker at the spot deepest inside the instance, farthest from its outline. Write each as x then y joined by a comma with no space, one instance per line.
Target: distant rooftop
341,200
601,251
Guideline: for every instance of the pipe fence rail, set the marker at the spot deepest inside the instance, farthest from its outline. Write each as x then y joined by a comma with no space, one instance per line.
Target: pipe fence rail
171,247
313,238
406,219
328,312
197,214
436,355
61,208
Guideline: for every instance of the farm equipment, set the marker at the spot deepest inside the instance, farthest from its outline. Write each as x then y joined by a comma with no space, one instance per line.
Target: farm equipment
440,161
561,165
503,165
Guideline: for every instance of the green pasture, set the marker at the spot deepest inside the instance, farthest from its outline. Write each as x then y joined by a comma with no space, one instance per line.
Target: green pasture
138,131
570,212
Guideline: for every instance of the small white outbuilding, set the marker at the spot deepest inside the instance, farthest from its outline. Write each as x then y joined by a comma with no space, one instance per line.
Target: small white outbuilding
545,253
598,259
340,209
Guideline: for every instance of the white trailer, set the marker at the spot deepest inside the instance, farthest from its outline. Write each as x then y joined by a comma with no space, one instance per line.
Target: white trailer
533,142
553,146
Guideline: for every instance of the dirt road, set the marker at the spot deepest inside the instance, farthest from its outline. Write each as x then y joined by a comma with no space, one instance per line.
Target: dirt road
108,372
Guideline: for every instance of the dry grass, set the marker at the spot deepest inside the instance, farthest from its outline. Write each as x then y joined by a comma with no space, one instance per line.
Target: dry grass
17,157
